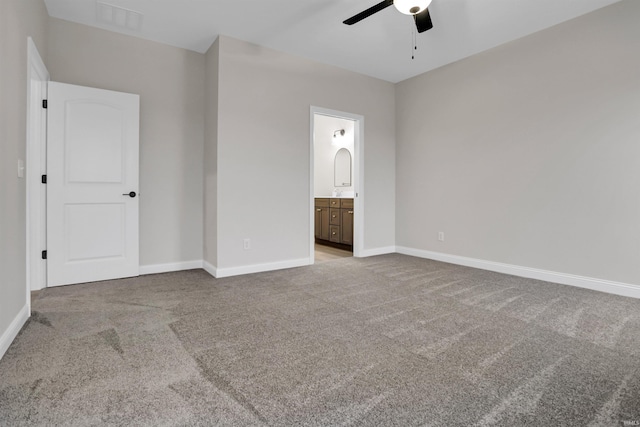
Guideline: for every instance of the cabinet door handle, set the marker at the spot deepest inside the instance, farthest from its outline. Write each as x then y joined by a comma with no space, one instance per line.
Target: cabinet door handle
333,216
351,212
319,210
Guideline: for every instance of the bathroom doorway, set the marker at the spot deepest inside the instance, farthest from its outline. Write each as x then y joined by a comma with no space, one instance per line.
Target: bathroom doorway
336,185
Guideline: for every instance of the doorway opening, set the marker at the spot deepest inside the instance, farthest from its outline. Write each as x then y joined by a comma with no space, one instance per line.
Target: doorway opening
336,187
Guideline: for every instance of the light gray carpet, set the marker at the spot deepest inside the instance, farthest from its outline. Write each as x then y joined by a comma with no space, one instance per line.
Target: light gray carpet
389,340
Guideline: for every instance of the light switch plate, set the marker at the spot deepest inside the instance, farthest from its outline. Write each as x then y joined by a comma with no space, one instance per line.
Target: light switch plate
20,168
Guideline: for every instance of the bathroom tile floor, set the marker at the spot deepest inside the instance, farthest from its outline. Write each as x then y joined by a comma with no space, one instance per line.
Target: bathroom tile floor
327,253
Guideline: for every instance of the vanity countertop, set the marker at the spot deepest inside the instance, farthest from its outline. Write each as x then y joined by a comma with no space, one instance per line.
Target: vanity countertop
334,197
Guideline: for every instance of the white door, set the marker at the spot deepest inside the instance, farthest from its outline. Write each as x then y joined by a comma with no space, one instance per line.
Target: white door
92,184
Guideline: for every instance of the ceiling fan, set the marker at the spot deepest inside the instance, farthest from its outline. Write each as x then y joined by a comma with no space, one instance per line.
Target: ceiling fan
416,8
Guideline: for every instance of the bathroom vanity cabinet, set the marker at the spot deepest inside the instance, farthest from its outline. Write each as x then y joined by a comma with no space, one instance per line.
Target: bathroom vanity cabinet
334,222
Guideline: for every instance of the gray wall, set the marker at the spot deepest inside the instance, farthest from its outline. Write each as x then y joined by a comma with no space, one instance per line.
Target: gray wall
263,151
170,82
210,250
18,20
529,154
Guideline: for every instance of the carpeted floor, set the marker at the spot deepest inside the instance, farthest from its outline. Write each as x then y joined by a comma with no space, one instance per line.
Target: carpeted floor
389,340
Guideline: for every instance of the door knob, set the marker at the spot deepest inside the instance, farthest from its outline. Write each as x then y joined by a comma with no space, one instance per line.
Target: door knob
131,194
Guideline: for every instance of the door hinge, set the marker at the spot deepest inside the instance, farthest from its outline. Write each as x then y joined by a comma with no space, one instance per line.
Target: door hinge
44,179
44,103
44,254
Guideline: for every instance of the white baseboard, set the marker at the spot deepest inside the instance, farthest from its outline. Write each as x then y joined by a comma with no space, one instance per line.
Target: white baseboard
171,266
210,268
222,272
12,331
377,251
257,268
618,288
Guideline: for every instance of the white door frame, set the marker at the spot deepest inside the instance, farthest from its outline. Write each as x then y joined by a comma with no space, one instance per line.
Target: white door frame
37,78
358,196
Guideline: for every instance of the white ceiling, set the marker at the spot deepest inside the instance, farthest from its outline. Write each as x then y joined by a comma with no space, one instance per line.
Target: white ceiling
379,46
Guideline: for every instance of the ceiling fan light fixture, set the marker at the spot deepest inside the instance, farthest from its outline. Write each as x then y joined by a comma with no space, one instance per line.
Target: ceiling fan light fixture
411,7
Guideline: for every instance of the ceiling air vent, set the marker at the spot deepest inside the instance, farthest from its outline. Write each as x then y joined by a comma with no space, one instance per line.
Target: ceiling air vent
119,17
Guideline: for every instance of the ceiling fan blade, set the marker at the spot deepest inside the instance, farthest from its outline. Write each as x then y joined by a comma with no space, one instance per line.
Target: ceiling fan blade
365,14
423,21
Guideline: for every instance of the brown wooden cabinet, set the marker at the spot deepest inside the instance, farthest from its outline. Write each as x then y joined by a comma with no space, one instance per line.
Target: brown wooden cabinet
322,219
346,226
334,221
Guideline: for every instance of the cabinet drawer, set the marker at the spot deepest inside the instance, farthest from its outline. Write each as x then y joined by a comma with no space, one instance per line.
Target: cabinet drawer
346,203
334,216
334,203
322,203
334,233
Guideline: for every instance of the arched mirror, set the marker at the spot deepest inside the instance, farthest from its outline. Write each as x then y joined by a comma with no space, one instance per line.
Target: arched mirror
342,168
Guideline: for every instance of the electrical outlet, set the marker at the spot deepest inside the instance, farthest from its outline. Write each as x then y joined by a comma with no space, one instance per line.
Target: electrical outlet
441,236
247,244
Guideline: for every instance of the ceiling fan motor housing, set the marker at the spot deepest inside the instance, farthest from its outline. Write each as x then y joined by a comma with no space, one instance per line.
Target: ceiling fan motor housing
415,8
411,7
